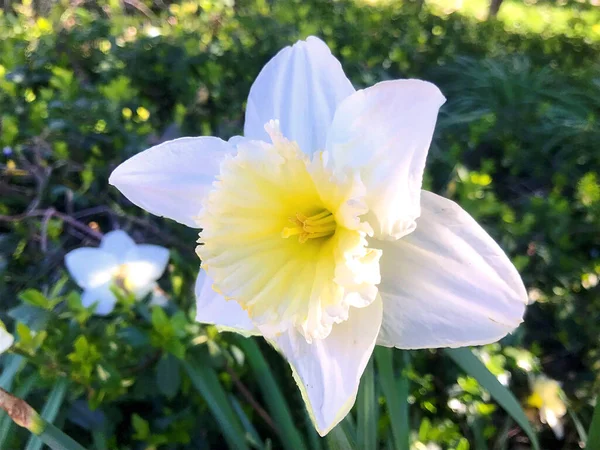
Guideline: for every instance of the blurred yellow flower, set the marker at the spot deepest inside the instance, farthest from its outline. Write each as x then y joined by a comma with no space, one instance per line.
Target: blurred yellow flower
546,398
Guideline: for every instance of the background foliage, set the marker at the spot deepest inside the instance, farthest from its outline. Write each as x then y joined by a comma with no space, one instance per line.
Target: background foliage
84,85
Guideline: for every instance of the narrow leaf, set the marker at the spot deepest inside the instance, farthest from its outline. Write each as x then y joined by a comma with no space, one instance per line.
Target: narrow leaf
397,406
466,360
314,441
276,403
206,382
57,440
367,410
594,432
50,410
12,366
342,437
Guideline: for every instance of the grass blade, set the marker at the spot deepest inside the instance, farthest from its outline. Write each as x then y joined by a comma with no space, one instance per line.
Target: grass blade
276,403
467,361
11,368
50,410
403,386
397,406
57,440
206,382
367,410
594,432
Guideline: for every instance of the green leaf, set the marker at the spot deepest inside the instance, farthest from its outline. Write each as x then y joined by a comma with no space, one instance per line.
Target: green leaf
367,410
594,432
161,322
397,402
168,375
465,358
141,427
34,298
206,382
276,403
50,410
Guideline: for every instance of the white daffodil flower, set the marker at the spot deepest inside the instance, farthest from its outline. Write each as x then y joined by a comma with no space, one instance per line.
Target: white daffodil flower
546,398
315,231
6,339
119,261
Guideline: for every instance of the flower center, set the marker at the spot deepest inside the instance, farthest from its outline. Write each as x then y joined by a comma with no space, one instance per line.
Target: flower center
120,277
316,226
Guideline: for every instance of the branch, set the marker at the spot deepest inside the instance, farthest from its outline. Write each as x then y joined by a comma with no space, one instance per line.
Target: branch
47,213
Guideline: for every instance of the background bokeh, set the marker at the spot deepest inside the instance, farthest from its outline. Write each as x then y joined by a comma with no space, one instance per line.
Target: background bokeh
86,84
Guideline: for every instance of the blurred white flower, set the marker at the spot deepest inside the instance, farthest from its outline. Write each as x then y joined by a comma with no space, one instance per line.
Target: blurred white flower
159,297
6,339
504,378
546,397
152,31
297,214
119,261
525,363
422,446
457,406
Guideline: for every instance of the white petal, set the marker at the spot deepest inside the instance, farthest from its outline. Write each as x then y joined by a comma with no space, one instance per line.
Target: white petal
212,308
548,416
172,178
101,296
117,243
328,371
91,267
384,132
6,339
447,284
153,257
144,264
301,87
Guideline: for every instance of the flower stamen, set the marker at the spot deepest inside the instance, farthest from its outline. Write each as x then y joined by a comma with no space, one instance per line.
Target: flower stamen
316,226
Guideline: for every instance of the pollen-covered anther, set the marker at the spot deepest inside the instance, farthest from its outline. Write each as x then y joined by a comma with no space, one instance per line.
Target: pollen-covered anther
316,226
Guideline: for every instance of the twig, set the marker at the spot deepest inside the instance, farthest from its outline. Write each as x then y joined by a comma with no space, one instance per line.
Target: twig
140,7
45,221
52,212
250,399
